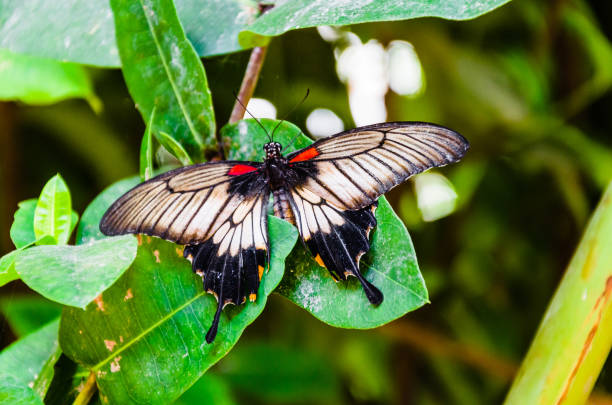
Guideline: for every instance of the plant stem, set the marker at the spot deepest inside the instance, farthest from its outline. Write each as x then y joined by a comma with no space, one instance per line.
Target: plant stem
249,81
575,335
87,392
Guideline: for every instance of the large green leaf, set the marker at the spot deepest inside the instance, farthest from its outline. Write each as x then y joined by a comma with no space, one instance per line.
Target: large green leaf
75,275
26,367
391,263
53,212
144,337
162,70
293,14
41,81
83,31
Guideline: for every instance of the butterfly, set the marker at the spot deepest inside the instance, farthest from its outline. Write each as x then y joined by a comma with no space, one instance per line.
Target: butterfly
328,190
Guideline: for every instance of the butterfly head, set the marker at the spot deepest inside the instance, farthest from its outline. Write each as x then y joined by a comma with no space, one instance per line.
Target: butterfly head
273,150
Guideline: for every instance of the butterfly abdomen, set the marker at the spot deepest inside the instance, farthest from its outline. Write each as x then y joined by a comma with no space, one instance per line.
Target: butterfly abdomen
282,208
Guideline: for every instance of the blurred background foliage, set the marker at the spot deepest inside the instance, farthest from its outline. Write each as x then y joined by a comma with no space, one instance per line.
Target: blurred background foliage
528,85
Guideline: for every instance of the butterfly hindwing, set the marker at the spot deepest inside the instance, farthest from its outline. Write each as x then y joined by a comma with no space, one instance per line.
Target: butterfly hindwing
352,169
336,238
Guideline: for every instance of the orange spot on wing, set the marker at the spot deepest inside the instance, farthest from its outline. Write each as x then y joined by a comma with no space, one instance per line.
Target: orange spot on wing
305,155
241,169
252,297
261,269
319,260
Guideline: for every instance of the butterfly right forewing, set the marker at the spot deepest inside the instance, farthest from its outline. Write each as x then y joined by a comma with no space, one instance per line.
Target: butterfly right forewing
353,168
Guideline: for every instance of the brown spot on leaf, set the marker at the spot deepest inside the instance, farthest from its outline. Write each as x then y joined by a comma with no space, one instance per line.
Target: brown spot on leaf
148,239
114,366
179,250
599,307
99,302
139,239
156,254
128,294
110,344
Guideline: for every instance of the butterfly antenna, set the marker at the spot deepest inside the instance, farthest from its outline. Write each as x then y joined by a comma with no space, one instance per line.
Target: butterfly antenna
291,111
252,116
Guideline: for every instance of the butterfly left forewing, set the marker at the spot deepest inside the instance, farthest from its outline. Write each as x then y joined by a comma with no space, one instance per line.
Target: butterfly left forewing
219,210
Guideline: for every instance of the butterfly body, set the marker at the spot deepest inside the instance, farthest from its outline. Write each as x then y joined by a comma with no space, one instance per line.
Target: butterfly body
328,190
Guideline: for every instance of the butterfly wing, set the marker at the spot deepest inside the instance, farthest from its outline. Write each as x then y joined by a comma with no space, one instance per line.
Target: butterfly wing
352,169
339,179
219,210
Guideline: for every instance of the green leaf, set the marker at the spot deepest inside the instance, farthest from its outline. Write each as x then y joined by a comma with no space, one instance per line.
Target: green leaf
22,230
7,268
41,81
293,14
89,227
27,313
75,275
144,337
52,215
298,375
26,366
391,263
174,148
146,150
221,20
83,31
71,30
162,70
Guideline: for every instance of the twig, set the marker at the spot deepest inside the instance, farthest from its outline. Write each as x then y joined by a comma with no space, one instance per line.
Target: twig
87,392
249,82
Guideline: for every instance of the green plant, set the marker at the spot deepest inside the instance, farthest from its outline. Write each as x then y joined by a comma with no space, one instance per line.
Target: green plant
133,312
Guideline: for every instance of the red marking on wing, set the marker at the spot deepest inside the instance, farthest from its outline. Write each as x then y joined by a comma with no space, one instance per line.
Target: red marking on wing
305,155
241,169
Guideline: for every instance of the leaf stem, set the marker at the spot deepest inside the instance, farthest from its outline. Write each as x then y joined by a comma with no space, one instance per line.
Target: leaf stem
87,392
249,81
